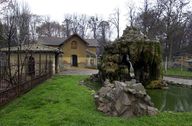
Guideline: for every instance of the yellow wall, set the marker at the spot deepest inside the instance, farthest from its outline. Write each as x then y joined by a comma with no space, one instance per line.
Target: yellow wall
65,59
39,59
80,52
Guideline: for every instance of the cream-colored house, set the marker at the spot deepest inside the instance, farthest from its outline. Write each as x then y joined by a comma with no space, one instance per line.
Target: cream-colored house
77,52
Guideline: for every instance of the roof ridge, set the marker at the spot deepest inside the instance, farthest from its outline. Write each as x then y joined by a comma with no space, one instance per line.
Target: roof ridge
58,41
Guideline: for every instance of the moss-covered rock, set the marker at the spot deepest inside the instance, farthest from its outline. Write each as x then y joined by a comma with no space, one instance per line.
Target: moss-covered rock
157,84
133,46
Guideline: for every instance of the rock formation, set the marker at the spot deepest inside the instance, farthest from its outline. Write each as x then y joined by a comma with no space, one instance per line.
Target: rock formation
124,99
135,50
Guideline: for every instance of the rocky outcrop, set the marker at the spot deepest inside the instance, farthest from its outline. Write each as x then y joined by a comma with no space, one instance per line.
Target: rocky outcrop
125,99
132,50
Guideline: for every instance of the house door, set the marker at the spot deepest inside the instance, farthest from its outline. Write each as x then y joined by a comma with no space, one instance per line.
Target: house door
74,60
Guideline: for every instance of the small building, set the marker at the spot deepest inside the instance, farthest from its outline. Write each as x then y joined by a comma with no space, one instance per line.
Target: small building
78,52
33,59
24,67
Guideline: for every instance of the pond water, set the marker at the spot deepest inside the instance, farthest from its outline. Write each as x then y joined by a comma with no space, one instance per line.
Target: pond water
177,99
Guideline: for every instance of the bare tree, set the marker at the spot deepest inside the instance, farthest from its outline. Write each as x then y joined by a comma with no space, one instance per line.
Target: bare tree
67,25
94,22
75,23
83,25
166,20
173,15
2,41
132,15
49,29
10,35
24,23
36,20
115,20
47,26
103,30
188,31
4,5
102,35
13,35
4,1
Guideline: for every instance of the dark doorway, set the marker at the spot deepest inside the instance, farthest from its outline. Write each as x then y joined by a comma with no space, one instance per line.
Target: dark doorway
74,60
31,66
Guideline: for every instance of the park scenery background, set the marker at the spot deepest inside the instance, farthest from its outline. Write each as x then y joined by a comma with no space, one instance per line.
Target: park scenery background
94,69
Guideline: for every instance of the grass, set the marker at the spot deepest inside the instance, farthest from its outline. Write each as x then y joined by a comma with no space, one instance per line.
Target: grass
178,73
92,85
61,101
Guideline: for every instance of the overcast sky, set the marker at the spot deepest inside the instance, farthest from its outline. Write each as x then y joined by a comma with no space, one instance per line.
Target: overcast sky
56,9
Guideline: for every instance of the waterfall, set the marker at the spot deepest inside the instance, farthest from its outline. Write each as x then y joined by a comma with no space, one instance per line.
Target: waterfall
132,74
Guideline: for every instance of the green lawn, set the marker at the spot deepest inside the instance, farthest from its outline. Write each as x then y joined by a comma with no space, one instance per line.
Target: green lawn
178,72
62,101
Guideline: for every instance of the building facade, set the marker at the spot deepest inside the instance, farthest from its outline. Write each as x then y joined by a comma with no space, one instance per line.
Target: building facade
77,52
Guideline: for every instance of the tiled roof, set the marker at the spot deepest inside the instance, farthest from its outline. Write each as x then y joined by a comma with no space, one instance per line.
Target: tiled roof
32,47
55,41
92,42
51,41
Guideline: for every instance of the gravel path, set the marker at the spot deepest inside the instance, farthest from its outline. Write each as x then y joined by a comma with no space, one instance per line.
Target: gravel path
79,72
179,81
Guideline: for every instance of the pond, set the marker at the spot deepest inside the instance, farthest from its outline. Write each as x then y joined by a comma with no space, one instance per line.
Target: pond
177,99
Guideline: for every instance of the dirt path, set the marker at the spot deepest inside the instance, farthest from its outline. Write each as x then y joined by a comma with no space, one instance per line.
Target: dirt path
179,81
79,71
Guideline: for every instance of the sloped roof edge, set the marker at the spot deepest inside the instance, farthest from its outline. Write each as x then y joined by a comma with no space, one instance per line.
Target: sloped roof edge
55,41
32,48
72,37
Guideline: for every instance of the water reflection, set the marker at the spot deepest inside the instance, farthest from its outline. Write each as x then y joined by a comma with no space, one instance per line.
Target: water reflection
176,99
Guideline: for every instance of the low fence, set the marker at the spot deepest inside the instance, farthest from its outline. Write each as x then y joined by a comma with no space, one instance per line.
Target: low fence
15,91
16,79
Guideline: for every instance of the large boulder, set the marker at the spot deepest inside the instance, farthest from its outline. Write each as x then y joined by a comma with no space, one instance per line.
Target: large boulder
125,99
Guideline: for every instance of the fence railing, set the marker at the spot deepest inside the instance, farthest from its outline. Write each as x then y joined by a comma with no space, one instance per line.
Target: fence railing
16,79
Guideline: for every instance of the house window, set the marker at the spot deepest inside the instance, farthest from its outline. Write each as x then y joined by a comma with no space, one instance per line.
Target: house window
31,66
73,45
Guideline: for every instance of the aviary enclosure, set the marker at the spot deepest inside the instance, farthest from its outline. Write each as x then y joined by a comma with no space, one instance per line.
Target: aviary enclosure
20,71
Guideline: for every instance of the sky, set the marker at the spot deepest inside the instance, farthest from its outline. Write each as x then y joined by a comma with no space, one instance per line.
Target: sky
56,9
